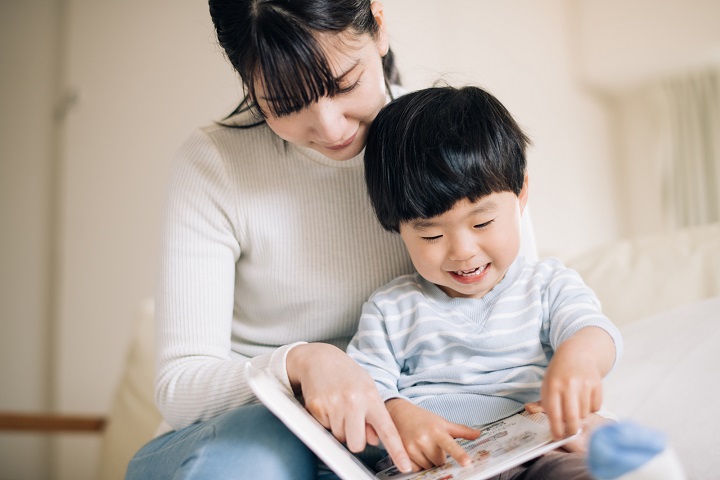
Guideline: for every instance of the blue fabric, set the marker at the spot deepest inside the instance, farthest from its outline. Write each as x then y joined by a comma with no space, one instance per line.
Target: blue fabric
248,442
618,448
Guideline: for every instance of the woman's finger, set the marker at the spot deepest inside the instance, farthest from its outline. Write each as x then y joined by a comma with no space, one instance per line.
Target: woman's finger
337,427
355,432
379,419
371,435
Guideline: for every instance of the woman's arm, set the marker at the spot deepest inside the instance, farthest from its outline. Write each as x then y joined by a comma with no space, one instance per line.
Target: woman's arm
198,375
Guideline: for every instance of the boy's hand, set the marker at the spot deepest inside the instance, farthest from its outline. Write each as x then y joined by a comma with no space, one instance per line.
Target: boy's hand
572,387
579,444
428,438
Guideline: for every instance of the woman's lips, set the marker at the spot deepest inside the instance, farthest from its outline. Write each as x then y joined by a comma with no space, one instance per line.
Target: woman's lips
345,144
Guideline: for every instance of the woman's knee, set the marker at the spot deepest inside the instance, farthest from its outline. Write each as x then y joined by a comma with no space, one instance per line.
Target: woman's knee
258,431
249,441
259,444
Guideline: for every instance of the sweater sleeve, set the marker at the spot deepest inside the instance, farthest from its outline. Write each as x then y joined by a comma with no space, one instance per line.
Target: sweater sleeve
372,349
198,376
571,306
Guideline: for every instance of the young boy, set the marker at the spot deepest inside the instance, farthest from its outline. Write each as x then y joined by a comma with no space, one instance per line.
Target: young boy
478,331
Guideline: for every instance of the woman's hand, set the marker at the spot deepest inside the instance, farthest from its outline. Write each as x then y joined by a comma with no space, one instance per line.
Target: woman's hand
344,399
428,437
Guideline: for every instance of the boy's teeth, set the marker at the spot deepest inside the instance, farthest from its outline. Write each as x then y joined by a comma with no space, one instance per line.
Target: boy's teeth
474,271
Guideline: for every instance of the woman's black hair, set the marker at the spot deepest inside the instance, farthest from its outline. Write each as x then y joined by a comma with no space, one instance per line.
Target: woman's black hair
278,39
429,149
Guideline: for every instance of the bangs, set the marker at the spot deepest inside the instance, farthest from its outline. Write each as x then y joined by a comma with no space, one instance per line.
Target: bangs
444,175
429,149
291,66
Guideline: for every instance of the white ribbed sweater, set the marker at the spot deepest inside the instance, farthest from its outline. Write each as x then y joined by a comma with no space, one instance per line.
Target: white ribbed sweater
265,244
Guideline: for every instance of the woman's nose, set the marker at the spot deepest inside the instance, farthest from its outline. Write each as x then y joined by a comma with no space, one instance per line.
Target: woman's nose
328,121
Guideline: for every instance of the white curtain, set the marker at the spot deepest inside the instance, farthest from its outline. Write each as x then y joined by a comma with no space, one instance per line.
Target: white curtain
689,148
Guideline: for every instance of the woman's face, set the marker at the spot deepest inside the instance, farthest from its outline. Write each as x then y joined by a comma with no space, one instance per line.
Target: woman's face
337,126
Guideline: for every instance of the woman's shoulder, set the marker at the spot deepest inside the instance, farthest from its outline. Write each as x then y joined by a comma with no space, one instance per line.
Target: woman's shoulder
223,133
218,142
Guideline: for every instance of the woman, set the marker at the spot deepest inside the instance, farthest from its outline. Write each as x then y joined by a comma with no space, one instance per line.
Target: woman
270,242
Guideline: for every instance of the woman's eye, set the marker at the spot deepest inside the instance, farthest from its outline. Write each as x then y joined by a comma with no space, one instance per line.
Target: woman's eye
349,88
483,225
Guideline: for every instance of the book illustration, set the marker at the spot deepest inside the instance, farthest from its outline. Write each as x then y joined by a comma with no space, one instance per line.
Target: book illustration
499,443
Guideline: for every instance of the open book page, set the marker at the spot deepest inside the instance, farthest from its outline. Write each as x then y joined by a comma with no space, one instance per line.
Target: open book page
502,445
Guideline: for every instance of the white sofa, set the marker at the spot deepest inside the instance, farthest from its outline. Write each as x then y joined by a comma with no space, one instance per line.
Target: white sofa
663,291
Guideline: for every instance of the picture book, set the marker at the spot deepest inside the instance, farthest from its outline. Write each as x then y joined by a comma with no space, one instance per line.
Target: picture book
502,445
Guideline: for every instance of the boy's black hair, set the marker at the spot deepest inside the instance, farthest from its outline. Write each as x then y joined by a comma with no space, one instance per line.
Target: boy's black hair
429,149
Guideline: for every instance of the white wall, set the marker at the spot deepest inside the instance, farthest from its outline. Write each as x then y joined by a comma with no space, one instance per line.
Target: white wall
28,34
621,44
520,51
626,48
147,73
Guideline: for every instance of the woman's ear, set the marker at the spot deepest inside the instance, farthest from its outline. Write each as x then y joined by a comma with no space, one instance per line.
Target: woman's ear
378,11
523,196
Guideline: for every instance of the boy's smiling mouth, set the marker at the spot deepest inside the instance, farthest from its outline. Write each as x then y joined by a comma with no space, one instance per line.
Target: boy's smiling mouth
470,275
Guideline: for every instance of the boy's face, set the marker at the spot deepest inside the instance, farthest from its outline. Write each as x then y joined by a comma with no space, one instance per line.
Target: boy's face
467,250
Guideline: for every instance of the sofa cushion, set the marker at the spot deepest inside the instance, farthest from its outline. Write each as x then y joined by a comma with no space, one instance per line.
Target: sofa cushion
133,417
638,277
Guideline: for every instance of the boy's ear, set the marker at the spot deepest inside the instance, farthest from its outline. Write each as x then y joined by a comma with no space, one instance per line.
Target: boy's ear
523,196
378,11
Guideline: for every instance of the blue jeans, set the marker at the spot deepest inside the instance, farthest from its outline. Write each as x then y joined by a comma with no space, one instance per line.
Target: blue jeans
248,442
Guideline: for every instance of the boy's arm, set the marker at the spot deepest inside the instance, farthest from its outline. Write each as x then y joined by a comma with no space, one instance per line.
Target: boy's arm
428,438
372,350
572,387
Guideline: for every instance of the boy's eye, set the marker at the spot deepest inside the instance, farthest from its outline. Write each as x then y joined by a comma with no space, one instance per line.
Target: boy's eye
483,225
431,239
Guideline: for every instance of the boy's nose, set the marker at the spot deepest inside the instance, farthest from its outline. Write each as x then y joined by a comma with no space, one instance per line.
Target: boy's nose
462,250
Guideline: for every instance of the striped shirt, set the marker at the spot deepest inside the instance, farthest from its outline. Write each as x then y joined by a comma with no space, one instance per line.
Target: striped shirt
474,360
